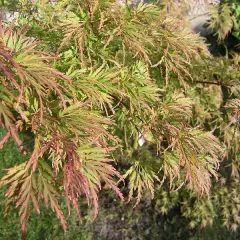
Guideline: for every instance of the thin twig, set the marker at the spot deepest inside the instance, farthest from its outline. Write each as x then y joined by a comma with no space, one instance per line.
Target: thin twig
215,83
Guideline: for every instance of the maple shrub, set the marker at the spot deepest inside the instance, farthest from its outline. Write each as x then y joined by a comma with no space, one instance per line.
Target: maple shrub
97,83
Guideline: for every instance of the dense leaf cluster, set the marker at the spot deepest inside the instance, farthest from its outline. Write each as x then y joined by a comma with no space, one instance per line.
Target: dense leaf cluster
95,81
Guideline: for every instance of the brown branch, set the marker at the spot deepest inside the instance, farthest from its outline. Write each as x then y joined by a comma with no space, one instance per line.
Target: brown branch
215,83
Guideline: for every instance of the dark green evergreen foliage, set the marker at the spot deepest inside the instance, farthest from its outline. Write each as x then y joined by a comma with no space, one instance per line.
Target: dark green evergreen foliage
104,77
225,22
